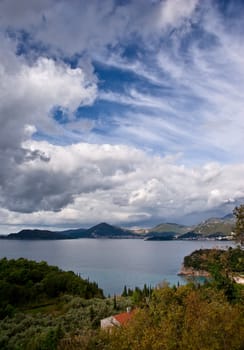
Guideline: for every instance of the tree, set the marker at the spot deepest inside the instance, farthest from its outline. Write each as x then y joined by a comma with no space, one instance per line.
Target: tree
125,292
239,226
115,302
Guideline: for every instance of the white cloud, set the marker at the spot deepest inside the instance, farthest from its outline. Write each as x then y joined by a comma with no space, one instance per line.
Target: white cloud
92,25
198,105
28,93
173,12
36,89
101,183
185,98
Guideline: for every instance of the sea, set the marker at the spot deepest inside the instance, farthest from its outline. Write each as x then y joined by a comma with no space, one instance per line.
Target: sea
112,263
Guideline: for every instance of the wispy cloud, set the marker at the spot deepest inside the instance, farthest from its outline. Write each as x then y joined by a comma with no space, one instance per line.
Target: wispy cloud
199,87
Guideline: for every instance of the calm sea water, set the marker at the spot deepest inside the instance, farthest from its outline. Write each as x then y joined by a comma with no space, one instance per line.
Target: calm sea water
112,263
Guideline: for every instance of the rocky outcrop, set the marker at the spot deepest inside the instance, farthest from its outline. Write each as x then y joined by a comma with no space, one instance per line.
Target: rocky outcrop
189,271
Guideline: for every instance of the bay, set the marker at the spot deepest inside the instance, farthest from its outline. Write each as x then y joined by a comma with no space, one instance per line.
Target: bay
112,263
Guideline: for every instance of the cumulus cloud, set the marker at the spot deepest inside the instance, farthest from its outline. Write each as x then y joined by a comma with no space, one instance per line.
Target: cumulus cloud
100,182
28,93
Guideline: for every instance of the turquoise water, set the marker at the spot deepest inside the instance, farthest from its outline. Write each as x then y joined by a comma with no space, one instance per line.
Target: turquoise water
112,263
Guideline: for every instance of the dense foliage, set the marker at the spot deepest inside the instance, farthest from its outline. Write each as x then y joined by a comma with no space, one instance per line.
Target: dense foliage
208,260
24,283
199,317
223,266
183,318
40,305
47,309
239,227
44,327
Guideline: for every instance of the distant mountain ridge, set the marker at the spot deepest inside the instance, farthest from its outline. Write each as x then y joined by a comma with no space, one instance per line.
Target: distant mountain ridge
46,234
106,230
102,230
211,228
170,227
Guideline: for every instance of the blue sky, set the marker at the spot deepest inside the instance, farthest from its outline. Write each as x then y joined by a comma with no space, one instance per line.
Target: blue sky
129,112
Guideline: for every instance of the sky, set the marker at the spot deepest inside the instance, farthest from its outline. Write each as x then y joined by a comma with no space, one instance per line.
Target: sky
129,112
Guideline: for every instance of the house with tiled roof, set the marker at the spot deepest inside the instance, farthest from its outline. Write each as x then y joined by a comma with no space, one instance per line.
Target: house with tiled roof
117,320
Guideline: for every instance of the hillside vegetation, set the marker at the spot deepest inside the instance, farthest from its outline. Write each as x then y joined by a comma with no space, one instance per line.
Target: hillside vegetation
170,227
230,260
194,316
41,304
25,283
215,225
44,308
184,318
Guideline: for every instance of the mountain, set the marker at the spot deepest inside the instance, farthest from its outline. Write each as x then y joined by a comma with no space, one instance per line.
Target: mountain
34,234
166,232
100,230
170,227
74,233
46,234
211,228
215,226
109,231
229,217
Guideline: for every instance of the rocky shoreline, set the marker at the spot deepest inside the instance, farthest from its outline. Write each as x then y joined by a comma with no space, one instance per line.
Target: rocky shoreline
189,271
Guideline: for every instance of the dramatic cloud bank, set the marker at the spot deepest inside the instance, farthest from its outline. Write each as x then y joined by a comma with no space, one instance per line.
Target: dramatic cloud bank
129,112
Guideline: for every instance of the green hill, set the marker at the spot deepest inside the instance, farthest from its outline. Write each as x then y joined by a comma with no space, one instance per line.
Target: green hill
109,231
100,230
170,227
215,226
26,283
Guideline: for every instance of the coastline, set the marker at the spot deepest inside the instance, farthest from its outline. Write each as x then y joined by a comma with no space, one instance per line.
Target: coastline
189,271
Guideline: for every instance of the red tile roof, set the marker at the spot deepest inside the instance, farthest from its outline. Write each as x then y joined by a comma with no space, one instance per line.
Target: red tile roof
124,317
